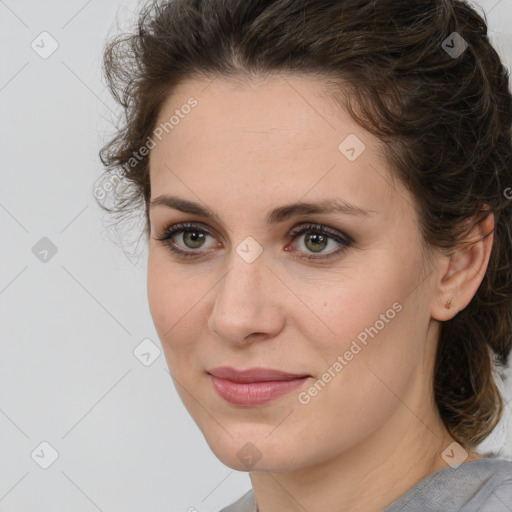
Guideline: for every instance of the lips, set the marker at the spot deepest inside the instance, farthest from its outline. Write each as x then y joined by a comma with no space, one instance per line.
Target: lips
255,386
254,374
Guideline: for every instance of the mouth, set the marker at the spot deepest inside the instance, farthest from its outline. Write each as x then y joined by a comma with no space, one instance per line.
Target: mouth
255,386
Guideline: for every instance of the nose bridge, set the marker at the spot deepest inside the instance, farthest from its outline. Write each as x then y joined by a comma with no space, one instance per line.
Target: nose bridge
242,286
248,266
242,303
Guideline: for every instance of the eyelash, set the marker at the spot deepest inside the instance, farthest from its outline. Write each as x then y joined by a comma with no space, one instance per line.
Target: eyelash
168,233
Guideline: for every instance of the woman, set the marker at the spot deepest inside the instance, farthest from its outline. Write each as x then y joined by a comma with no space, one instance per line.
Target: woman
325,189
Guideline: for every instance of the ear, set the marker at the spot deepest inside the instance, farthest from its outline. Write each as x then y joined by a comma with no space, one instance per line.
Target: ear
462,273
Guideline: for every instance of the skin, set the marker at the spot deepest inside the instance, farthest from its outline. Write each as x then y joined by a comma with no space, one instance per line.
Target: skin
373,430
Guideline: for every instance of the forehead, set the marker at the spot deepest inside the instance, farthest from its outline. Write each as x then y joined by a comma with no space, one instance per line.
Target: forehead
281,134
278,110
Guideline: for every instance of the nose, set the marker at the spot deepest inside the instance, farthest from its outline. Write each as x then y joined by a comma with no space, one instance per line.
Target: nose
246,306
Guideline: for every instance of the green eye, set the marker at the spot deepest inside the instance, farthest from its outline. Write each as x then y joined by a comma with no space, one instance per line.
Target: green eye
317,238
193,239
313,240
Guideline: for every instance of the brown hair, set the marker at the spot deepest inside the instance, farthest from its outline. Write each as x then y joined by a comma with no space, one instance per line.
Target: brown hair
442,110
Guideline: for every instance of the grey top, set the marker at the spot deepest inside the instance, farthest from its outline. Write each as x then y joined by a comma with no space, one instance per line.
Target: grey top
483,485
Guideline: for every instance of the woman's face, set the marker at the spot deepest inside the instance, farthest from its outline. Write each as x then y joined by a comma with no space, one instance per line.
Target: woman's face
350,308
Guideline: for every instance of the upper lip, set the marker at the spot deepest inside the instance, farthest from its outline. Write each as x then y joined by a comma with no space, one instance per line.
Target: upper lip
253,374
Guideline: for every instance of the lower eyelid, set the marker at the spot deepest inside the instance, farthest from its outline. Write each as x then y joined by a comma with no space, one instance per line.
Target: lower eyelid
180,233
296,234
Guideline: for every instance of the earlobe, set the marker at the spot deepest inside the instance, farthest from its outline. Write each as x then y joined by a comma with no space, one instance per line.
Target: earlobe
464,271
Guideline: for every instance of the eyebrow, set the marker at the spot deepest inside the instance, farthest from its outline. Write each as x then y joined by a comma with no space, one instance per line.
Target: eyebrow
277,215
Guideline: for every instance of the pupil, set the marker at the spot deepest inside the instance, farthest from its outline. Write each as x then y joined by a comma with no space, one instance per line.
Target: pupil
317,240
194,239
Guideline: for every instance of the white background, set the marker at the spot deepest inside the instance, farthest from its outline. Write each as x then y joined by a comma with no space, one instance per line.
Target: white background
68,375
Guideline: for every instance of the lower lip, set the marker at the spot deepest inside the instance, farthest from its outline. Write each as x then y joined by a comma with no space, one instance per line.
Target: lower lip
254,393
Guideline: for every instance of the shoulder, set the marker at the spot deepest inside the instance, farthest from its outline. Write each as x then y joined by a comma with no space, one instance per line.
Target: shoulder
483,485
493,486
247,503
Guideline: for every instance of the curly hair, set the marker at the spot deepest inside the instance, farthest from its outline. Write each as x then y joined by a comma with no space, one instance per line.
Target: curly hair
422,76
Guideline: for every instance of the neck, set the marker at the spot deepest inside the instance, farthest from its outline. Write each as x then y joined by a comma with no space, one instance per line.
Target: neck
369,476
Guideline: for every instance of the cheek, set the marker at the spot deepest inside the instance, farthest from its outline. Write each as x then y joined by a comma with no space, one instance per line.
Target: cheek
358,383
167,296
368,323
352,307
176,303
377,346
159,299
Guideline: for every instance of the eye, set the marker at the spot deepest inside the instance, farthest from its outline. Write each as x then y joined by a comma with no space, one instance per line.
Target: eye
186,239
318,238
190,240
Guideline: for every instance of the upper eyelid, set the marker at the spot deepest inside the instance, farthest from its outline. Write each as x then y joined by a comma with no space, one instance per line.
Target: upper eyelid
344,240
308,226
296,231
187,226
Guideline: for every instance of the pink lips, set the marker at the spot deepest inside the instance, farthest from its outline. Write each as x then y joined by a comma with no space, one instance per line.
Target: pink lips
255,386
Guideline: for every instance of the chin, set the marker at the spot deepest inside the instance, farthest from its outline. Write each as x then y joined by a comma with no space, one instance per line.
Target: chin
259,454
